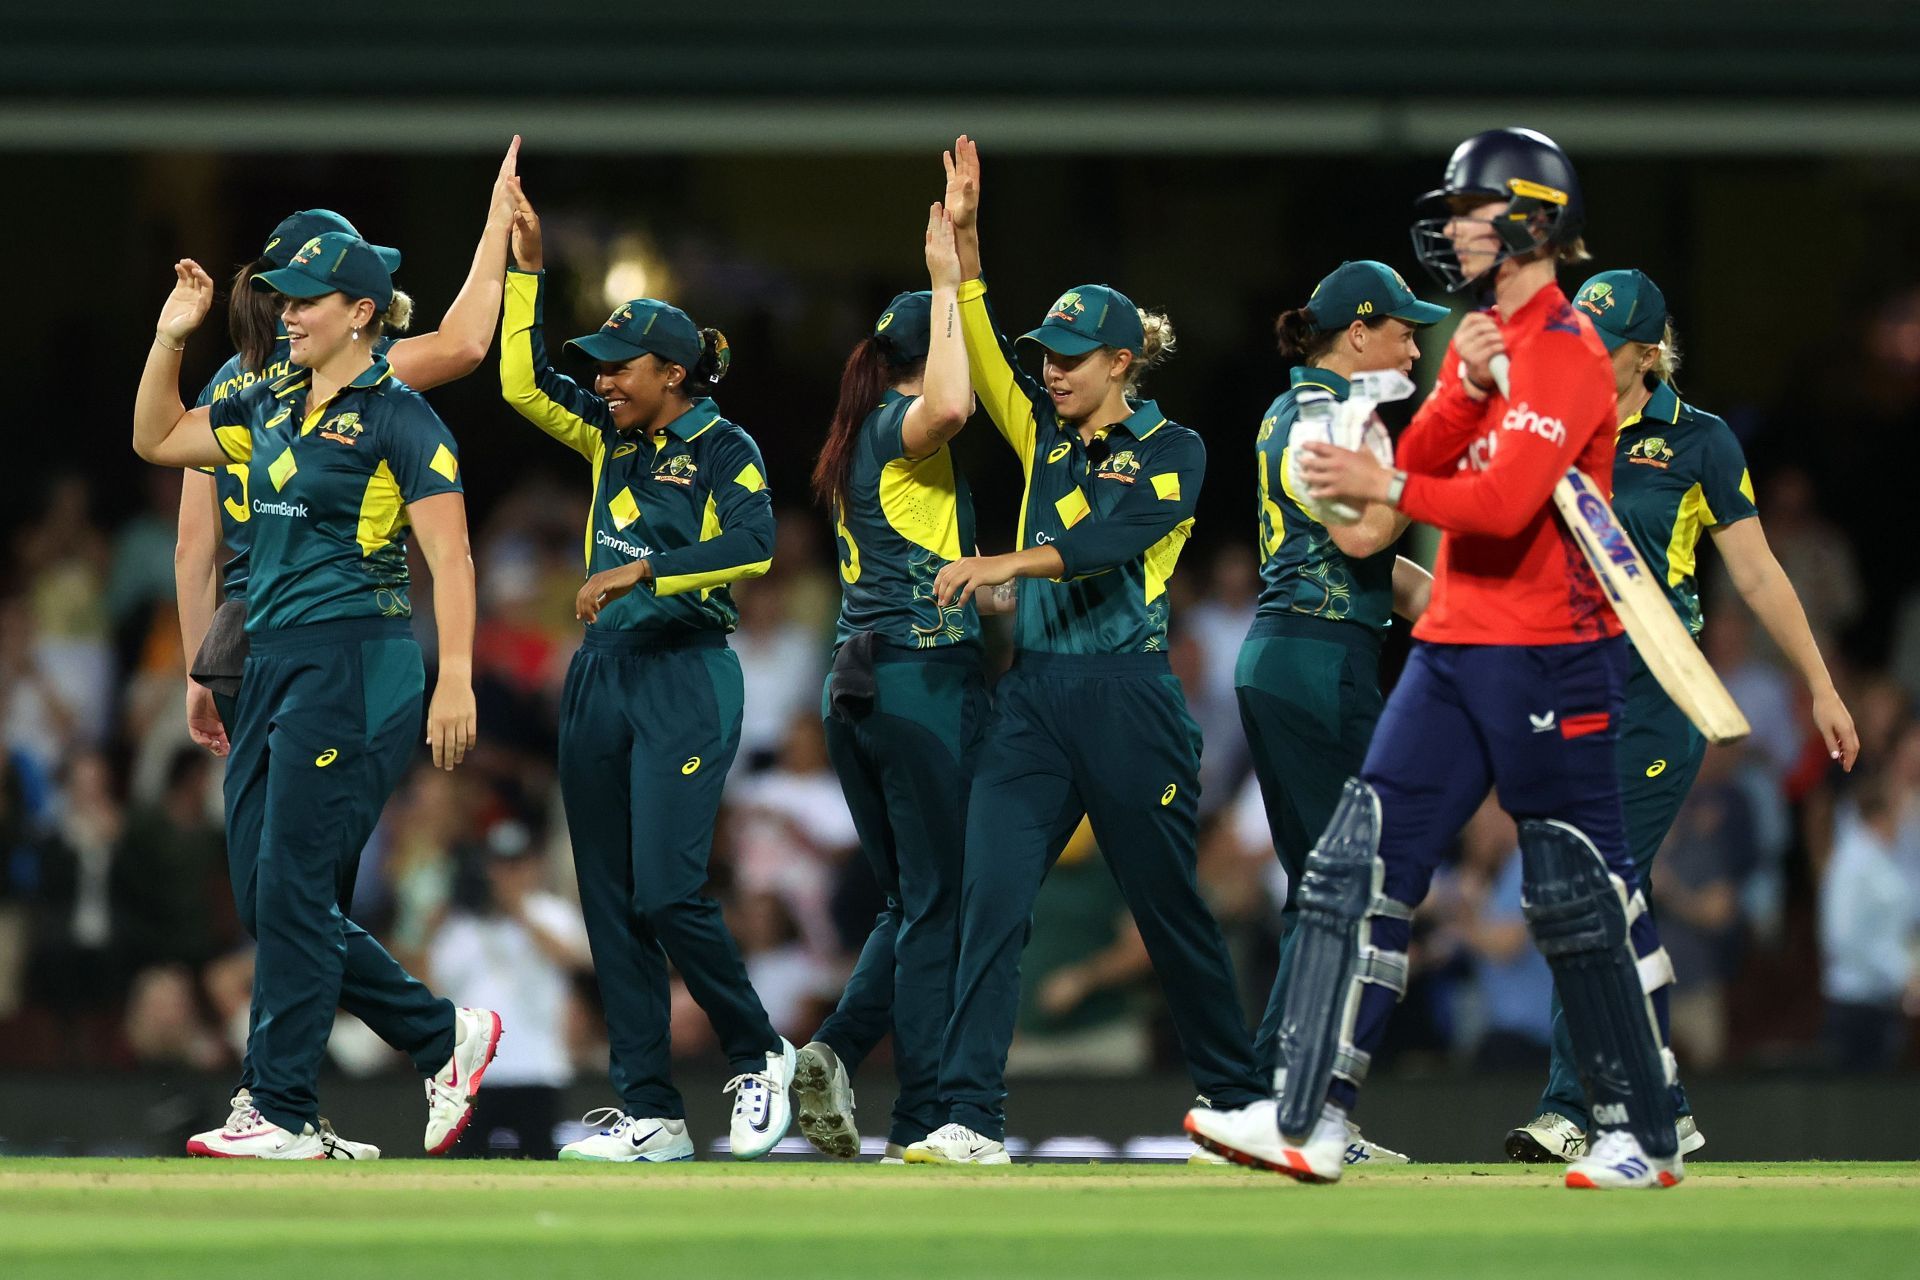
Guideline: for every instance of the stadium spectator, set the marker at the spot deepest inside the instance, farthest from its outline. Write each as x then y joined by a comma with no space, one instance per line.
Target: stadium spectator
782,662
1510,979
78,969
1869,916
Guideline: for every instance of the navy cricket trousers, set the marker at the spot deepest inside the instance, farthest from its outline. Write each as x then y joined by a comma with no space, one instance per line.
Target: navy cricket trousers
1538,723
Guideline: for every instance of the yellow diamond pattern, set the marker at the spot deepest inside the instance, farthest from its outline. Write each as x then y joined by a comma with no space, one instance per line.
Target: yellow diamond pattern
445,463
625,510
281,469
1073,508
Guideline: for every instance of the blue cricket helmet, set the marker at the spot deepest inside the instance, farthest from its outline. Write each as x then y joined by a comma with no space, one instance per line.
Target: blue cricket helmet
1525,168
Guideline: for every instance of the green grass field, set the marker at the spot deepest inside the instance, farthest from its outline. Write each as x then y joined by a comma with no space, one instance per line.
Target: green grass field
420,1219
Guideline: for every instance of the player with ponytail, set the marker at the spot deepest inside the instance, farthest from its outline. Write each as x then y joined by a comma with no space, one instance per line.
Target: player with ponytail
650,715
906,703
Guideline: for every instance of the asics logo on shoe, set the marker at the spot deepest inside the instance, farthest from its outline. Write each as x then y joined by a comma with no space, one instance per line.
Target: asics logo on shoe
1521,418
1356,1154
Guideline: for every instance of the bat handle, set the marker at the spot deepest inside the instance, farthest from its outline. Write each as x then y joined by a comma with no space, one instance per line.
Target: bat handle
1498,367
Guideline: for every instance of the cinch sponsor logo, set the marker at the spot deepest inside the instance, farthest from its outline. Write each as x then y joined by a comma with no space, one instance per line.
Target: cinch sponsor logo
1521,418
1479,454
624,547
298,509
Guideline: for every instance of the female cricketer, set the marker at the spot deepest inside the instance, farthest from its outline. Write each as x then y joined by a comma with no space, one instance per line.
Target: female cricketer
215,510
1518,684
1090,721
1677,470
906,704
343,460
650,713
1308,676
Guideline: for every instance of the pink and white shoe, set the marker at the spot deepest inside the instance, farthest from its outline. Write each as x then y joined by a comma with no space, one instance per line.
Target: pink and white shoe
248,1135
452,1089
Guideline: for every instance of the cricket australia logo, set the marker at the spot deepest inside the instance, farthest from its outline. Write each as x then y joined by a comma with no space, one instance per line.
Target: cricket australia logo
680,469
1654,451
308,252
621,315
1597,299
1069,308
1122,466
344,429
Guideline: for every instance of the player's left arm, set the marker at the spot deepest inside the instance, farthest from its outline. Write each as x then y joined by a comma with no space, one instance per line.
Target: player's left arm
1161,499
1412,588
425,463
1763,584
740,508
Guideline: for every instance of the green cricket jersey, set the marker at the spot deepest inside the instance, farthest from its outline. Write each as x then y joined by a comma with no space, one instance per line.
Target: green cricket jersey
328,487
230,481
1676,471
1302,571
902,522
1119,518
696,504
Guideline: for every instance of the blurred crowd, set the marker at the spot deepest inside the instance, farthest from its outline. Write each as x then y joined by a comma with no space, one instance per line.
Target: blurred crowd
1788,893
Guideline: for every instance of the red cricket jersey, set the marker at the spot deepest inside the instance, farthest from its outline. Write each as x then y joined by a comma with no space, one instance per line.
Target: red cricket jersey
1483,472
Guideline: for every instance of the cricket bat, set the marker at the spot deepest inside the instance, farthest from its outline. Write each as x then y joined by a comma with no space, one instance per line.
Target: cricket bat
1650,622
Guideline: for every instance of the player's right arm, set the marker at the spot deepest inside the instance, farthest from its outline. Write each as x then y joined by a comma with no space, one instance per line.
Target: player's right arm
1010,397
945,401
165,431
539,393
1555,397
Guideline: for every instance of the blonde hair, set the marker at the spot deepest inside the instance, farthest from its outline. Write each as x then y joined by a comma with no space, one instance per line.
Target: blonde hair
1575,250
397,316
1668,362
1156,344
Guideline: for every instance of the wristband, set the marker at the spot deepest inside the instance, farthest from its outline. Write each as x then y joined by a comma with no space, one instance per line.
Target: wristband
1396,486
168,345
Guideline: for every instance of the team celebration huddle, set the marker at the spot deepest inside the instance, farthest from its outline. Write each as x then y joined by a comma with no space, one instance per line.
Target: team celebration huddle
1554,665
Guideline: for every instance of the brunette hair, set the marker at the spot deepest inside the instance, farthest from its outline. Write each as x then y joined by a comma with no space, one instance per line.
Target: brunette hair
874,366
1303,342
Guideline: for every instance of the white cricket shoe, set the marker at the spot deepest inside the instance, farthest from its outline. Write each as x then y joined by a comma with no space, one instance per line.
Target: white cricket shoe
823,1102
1364,1150
451,1089
248,1135
957,1144
1617,1161
339,1148
762,1112
1691,1139
1200,1155
630,1139
1250,1135
895,1154
1548,1138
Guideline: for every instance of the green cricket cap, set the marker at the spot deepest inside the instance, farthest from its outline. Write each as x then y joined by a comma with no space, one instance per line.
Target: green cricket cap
336,262
1087,318
298,228
906,325
639,327
1625,306
1359,290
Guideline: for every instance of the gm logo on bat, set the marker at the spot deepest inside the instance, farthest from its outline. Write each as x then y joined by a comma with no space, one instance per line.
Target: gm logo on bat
1612,539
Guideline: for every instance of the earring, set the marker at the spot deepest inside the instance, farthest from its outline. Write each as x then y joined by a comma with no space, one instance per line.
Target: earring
356,335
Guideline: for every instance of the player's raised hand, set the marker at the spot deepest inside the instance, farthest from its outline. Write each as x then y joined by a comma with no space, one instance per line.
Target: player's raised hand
943,258
1476,342
528,254
187,305
500,202
1835,722
963,182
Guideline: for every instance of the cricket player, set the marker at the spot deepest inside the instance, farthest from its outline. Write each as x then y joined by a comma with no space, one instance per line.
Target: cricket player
1090,721
650,713
1677,471
1308,676
343,461
906,703
1518,683
215,511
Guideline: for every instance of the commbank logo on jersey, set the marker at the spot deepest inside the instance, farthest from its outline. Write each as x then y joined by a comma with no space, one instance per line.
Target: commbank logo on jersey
680,469
344,429
1654,451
